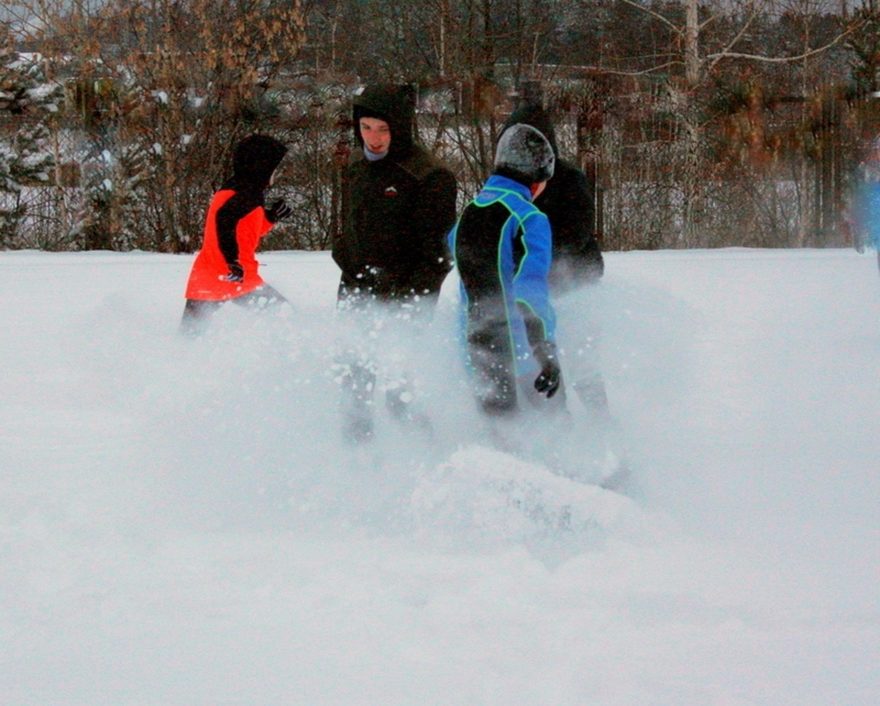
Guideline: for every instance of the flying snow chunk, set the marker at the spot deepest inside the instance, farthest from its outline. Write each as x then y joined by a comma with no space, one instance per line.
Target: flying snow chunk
499,495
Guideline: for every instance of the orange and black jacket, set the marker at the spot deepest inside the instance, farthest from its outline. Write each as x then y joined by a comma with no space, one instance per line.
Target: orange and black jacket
235,223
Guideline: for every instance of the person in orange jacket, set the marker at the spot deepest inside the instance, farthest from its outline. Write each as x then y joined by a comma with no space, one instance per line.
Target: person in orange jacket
226,269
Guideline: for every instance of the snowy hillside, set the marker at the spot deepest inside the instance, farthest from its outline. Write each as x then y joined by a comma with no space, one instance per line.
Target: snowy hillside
181,523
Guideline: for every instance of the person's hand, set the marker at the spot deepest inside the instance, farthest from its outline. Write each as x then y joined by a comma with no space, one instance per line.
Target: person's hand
278,211
550,377
236,273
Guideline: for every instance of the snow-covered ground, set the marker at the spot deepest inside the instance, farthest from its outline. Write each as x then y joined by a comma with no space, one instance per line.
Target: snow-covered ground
181,523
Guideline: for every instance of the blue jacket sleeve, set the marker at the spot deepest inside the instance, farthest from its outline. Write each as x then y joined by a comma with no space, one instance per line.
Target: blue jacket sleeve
530,281
866,213
871,213
450,241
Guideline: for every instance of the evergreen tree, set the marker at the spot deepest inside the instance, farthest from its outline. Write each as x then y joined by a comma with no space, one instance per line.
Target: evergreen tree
27,100
111,209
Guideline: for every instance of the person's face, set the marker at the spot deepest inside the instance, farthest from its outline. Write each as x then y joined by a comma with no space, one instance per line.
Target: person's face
376,134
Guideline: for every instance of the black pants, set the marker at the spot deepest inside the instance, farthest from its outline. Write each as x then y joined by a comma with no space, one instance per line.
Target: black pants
198,312
494,382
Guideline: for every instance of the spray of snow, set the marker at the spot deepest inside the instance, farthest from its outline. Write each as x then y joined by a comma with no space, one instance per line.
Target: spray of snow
183,522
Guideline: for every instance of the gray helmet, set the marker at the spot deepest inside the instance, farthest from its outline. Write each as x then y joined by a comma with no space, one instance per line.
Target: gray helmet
524,152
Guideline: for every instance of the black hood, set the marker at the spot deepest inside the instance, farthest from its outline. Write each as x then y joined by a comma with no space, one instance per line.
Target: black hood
396,105
254,160
536,116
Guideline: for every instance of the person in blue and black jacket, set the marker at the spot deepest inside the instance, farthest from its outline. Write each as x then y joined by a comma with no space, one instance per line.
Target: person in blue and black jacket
867,201
502,249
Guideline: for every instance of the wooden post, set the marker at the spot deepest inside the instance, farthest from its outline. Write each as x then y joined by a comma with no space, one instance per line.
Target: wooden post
590,122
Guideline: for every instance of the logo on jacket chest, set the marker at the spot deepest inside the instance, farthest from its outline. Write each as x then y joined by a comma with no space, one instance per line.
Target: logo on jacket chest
390,192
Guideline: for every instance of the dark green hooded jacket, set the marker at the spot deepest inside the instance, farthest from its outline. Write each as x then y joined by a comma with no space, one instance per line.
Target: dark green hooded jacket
568,202
396,211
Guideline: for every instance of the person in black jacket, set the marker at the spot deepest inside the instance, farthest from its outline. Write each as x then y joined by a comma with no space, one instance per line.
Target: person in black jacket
568,202
398,204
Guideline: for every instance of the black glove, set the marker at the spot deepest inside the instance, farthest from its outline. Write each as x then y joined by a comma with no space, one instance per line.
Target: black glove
236,273
278,211
548,380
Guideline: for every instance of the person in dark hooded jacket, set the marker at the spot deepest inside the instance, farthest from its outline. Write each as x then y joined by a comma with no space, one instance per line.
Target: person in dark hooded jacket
398,205
568,202
225,268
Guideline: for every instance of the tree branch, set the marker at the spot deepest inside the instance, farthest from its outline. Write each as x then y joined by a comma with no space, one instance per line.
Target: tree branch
644,72
656,15
715,58
739,36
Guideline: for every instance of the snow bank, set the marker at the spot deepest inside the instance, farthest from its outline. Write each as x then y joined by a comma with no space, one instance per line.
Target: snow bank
182,522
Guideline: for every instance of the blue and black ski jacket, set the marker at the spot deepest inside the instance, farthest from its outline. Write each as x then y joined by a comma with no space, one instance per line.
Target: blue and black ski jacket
502,249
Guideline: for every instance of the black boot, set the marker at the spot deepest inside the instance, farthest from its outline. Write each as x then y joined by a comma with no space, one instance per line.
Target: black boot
357,381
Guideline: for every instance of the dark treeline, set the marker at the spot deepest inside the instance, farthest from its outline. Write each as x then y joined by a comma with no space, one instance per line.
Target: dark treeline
705,124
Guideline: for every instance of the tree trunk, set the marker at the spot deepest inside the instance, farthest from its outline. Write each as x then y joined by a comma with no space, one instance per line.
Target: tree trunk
691,179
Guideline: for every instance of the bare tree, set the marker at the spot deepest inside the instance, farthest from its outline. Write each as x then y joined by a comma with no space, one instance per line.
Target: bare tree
695,116
163,88
708,41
